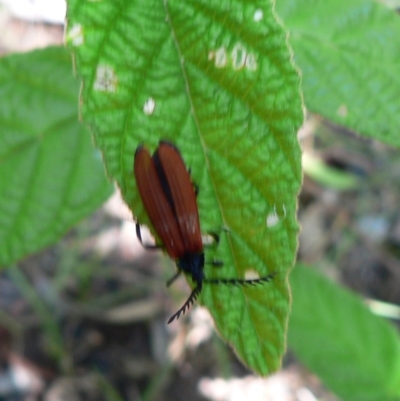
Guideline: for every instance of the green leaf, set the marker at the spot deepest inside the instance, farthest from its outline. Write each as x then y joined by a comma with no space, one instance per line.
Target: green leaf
215,78
326,175
348,54
50,174
356,353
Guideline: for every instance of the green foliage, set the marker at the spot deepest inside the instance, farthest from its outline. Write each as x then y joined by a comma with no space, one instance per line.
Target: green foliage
335,334
217,80
50,174
348,53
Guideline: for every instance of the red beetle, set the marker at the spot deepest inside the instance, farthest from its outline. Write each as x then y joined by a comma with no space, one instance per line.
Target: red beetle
169,198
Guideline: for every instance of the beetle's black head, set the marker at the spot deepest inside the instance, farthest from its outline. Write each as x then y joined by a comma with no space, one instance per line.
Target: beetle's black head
193,264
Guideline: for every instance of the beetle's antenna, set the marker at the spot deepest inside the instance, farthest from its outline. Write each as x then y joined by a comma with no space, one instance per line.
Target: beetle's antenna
192,297
174,277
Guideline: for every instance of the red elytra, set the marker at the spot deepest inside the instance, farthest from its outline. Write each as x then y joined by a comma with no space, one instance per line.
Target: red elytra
169,198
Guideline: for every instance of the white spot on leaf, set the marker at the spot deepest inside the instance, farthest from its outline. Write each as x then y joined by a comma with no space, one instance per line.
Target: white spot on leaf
274,218
220,55
251,62
258,15
75,35
149,106
241,59
106,80
238,56
251,274
209,239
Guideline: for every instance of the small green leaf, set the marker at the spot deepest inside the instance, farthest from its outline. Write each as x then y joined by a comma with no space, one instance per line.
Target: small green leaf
348,52
50,174
216,78
326,175
356,353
